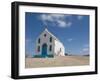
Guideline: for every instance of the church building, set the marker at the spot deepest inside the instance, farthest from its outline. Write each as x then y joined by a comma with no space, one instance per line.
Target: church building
47,45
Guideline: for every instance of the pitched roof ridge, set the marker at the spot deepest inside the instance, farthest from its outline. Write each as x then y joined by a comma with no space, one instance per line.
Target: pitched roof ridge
51,34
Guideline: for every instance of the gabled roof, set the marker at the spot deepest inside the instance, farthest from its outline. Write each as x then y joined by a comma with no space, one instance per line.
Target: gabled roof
51,34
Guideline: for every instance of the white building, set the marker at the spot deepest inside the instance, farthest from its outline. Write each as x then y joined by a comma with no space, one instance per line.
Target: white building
47,45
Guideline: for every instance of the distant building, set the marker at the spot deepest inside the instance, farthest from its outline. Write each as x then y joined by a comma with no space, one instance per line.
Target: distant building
47,45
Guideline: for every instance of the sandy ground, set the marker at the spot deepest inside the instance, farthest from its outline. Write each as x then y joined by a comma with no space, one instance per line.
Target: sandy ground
57,61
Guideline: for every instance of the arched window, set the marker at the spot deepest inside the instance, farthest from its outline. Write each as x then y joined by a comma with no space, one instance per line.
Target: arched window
50,48
50,39
39,40
38,49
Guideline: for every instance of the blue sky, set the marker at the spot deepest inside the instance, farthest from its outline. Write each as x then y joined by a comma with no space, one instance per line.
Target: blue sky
71,30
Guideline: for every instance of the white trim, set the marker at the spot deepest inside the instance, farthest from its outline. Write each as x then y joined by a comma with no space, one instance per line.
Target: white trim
35,71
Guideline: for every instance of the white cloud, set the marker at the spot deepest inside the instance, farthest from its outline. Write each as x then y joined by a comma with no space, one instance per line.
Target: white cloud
61,23
79,17
57,19
69,24
27,41
70,39
46,17
85,49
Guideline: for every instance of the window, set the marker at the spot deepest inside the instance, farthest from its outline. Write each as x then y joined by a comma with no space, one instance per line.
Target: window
50,48
44,35
60,49
39,40
50,39
38,48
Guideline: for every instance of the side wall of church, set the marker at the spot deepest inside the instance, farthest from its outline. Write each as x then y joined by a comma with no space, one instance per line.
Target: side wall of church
59,49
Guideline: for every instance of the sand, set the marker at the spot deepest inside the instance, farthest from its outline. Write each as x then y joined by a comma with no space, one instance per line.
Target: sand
57,61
